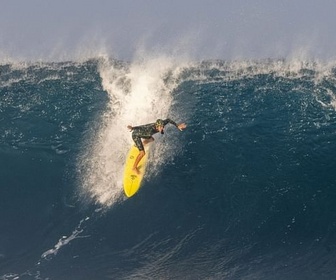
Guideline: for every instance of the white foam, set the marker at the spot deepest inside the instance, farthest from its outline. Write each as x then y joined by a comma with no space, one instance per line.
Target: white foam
64,240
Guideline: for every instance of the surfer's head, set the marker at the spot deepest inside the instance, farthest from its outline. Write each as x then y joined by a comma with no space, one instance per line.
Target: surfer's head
159,125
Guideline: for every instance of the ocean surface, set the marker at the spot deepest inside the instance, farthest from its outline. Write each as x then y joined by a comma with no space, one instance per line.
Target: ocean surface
247,191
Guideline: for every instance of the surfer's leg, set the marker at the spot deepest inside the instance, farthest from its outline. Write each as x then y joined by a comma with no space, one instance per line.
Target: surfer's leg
148,140
137,160
138,142
139,145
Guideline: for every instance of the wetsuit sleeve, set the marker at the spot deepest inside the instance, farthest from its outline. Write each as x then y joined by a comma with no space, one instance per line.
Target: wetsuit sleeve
166,121
141,127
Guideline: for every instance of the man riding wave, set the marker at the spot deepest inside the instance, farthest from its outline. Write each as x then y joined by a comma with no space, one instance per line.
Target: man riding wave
146,132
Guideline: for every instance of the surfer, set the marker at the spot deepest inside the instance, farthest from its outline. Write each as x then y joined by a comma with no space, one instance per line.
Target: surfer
146,132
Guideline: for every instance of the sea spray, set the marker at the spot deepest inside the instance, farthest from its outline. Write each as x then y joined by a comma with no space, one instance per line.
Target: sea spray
138,93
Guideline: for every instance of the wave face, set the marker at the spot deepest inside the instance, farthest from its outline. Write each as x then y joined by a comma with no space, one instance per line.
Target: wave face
247,191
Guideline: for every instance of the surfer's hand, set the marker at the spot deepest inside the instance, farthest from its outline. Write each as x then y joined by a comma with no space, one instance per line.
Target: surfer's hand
130,127
181,126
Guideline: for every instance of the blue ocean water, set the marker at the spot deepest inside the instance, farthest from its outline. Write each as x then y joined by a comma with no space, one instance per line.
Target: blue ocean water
247,191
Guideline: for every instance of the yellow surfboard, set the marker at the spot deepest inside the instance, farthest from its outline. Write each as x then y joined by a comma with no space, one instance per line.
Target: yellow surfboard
132,181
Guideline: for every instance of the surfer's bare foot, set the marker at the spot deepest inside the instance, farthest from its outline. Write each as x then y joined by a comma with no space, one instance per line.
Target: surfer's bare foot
136,171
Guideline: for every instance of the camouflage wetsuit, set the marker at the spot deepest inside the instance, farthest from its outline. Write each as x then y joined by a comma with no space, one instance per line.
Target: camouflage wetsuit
146,131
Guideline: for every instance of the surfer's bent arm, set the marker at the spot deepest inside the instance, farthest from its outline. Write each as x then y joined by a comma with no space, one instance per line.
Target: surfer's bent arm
180,126
166,121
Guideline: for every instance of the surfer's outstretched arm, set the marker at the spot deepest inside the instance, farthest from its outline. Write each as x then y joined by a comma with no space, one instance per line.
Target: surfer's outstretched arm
180,126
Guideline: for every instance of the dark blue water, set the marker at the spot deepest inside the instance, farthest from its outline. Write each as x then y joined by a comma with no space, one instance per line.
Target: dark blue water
247,191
